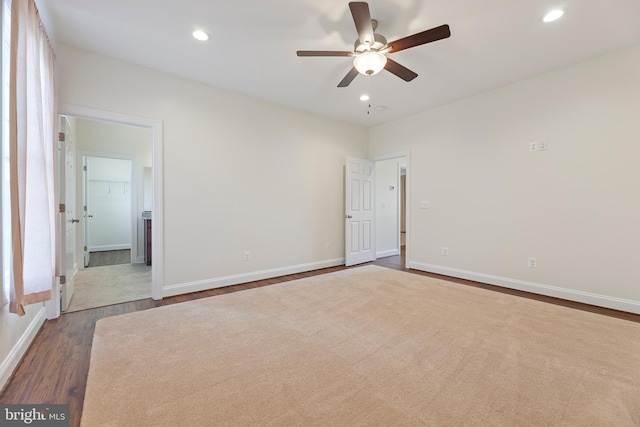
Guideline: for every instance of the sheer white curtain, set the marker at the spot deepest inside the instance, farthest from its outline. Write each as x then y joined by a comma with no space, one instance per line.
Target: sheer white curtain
33,154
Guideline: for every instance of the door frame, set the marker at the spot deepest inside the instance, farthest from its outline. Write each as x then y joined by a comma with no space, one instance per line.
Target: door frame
68,269
157,236
406,155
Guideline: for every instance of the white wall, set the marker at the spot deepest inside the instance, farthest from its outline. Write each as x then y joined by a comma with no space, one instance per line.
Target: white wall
105,139
240,174
387,207
494,204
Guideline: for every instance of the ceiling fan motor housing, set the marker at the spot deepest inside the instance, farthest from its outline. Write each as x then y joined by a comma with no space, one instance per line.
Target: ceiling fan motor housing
379,42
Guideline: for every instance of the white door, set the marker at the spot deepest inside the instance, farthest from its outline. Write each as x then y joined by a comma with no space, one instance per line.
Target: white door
67,193
359,218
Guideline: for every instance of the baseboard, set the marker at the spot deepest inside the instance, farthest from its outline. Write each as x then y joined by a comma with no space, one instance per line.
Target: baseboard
219,282
536,288
108,248
140,260
391,252
11,362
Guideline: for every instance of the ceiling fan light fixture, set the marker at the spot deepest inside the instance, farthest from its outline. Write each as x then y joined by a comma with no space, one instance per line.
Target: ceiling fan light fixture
364,97
370,62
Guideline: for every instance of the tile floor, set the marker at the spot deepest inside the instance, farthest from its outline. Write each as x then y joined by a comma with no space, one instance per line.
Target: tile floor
111,284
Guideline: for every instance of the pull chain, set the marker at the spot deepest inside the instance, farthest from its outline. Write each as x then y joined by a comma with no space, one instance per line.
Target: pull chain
369,93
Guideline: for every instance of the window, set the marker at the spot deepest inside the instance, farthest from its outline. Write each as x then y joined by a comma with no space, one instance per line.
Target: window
27,158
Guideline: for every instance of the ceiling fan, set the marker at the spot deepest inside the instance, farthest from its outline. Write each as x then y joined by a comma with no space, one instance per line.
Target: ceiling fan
371,49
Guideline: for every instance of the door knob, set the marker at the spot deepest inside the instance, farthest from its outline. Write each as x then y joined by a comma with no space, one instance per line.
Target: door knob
348,216
74,220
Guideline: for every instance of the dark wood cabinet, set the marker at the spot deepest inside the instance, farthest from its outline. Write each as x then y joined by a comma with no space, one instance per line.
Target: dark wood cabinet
147,241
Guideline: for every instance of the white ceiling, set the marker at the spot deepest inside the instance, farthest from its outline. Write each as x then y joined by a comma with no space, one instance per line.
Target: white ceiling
253,49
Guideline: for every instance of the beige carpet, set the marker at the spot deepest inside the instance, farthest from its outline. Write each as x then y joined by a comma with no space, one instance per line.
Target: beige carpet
366,346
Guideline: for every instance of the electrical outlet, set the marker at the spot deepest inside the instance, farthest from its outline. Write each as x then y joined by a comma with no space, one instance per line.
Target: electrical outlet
533,146
247,256
542,145
326,246
424,204
445,251
532,262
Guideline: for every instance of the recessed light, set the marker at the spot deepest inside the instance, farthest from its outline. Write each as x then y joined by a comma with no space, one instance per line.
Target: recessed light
381,107
364,97
203,36
554,15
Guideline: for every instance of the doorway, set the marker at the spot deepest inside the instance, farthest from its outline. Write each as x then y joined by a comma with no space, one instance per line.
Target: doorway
392,213
106,138
113,157
403,206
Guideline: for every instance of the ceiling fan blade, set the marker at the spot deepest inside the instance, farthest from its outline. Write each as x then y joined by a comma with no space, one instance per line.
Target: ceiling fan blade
323,53
348,78
362,19
428,36
399,70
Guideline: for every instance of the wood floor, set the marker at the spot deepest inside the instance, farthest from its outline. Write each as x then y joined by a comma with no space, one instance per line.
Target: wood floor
59,375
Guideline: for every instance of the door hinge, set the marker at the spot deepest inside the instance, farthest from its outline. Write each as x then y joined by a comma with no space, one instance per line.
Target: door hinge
85,208
62,208
63,280
61,136
85,249
84,168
